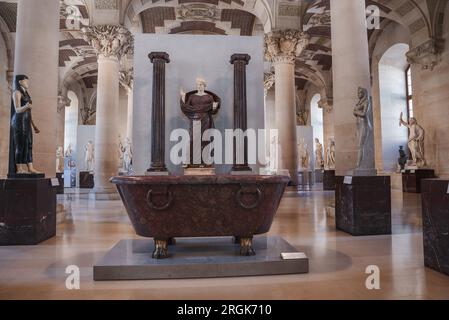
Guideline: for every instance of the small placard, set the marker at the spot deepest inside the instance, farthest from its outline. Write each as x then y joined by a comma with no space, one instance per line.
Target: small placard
293,256
402,171
412,171
55,182
348,180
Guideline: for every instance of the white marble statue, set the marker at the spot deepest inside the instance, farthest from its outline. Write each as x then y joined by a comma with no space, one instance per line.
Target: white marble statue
415,141
120,153
89,156
303,154
319,160
127,156
59,159
274,155
68,153
330,155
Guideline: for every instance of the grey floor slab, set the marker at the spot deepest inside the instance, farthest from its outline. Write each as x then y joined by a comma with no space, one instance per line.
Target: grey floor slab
198,258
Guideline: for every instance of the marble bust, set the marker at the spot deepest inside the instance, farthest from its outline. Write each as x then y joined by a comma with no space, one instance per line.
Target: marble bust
415,141
201,106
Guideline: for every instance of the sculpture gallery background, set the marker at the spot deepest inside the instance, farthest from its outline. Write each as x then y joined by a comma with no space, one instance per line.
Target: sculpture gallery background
207,57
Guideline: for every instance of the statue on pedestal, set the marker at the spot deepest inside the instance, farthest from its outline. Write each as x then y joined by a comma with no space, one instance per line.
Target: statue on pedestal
127,156
319,160
69,151
415,141
363,113
201,106
59,160
304,156
89,156
22,126
330,155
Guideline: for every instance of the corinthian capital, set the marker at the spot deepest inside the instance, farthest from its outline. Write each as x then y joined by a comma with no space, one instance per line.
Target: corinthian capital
109,40
285,45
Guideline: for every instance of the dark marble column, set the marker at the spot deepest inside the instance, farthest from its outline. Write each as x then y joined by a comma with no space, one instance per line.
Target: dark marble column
240,61
159,59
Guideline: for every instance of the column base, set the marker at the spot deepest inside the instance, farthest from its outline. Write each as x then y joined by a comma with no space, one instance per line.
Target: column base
363,207
27,211
435,217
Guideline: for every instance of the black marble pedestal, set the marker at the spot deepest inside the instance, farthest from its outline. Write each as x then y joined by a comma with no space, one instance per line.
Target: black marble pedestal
329,180
363,206
86,180
27,211
60,188
411,179
435,216
319,176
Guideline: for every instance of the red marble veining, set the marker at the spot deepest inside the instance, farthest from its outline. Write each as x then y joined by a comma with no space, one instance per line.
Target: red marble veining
201,206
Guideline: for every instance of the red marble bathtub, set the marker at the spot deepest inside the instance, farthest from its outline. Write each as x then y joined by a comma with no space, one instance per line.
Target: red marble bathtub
168,207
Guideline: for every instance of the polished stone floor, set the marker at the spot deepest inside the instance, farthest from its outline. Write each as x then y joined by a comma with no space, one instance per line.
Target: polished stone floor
337,260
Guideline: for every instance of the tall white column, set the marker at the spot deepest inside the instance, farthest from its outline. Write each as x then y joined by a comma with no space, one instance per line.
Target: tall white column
106,131
282,48
351,70
127,82
37,56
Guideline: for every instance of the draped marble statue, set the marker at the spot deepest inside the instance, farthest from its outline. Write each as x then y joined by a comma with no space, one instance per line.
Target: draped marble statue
319,160
199,106
415,141
330,155
22,126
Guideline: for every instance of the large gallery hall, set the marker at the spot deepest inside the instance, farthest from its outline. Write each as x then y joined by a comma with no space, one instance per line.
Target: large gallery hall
224,150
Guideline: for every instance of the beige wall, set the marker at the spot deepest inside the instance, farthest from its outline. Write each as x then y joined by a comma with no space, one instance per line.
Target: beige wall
431,100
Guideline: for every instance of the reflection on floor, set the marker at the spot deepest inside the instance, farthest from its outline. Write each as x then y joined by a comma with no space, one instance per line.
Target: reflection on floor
337,260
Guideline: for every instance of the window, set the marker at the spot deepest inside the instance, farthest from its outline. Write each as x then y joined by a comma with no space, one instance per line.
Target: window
409,92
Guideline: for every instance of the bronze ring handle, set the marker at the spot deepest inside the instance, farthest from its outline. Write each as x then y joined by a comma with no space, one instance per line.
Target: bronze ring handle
155,207
253,206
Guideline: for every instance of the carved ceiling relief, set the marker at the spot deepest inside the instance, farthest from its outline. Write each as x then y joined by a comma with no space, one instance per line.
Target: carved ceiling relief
198,12
427,54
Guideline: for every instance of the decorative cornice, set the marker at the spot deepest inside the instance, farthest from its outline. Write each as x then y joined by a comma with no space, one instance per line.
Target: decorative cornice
283,46
109,40
426,54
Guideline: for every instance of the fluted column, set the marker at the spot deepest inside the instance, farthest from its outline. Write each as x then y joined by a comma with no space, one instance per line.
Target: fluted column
282,48
110,43
36,55
158,59
350,71
240,61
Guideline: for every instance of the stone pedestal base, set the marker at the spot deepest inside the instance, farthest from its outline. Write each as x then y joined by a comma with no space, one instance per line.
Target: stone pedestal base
363,207
305,178
27,211
411,179
435,217
60,177
319,176
86,180
199,258
329,180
